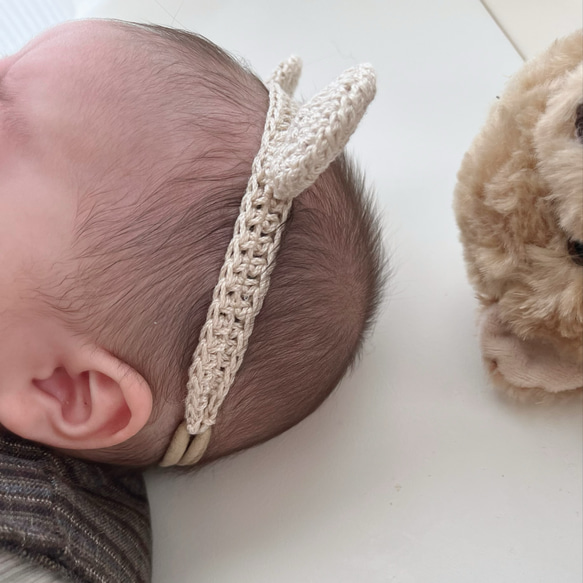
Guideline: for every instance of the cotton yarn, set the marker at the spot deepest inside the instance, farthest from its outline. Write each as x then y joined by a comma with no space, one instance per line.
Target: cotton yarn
299,142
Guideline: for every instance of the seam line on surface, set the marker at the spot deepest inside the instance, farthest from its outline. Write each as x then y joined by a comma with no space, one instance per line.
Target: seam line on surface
504,31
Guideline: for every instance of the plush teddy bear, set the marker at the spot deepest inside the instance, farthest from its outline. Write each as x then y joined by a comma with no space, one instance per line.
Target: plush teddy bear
519,206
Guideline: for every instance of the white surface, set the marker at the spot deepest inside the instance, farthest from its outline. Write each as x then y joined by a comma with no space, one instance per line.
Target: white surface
533,25
415,470
21,20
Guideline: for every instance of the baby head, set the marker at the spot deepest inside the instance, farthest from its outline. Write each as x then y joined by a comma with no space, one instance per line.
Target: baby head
519,205
125,151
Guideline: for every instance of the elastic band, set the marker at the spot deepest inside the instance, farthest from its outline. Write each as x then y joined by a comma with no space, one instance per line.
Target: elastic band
185,449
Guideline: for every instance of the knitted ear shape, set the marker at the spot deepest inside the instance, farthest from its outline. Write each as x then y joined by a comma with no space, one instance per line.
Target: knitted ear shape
287,75
319,131
298,144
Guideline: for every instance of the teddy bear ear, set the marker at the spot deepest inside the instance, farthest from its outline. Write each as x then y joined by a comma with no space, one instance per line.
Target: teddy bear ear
319,130
287,74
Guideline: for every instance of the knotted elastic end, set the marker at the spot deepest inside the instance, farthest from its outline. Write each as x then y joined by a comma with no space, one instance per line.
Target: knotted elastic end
185,449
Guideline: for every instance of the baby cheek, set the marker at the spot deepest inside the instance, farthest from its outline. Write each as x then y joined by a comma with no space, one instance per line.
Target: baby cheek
36,230
9,260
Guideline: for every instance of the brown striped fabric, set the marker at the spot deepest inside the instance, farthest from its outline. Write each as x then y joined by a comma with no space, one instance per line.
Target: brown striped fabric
79,520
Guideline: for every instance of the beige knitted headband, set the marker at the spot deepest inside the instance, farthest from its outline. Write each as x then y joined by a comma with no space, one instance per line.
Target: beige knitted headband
298,144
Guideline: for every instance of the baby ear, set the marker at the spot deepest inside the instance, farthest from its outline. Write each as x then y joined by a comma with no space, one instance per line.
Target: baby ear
88,400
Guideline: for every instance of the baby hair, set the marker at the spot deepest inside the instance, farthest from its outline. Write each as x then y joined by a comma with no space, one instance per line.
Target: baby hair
148,261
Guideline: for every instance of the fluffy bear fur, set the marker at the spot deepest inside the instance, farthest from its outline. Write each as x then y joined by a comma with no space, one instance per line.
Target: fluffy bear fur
519,207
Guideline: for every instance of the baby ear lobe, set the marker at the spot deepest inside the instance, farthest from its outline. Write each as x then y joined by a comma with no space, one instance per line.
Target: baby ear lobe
100,404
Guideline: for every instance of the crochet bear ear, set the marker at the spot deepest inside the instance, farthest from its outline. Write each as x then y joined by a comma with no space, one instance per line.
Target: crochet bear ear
287,75
318,130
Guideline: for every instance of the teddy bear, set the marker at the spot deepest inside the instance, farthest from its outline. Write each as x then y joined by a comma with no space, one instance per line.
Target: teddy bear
518,202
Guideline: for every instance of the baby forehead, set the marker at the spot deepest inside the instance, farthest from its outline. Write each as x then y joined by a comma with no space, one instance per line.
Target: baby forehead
81,36
80,81
91,55
113,102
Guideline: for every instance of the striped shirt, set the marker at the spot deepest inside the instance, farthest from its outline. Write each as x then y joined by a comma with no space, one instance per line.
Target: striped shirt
13,569
70,519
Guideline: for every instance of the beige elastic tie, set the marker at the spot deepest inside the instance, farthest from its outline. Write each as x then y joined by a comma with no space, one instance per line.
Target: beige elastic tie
184,449
299,142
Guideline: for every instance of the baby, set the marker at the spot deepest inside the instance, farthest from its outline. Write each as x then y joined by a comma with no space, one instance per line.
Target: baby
125,153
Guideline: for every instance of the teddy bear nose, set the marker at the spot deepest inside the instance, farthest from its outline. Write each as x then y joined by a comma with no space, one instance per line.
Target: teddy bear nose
575,249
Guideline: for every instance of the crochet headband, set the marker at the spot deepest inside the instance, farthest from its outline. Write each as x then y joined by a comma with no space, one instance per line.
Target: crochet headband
299,142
